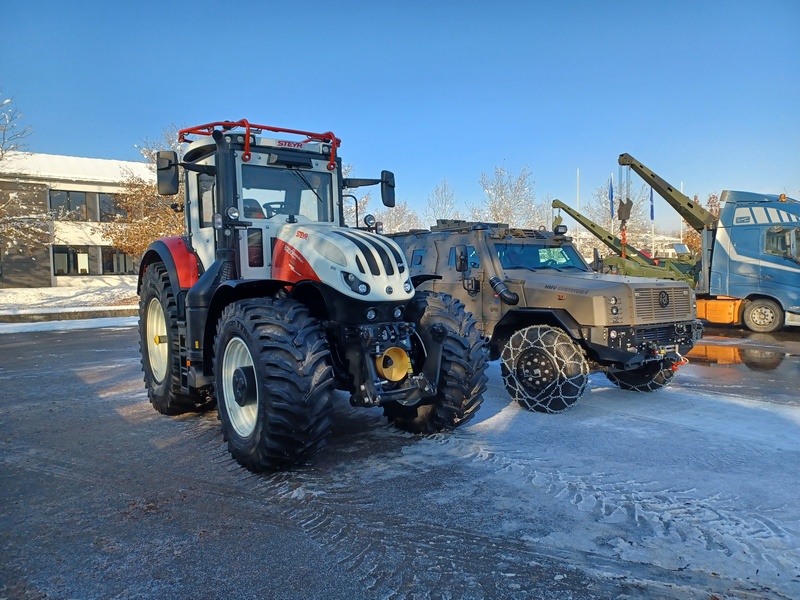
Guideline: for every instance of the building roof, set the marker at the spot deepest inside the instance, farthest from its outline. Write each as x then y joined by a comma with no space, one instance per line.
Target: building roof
55,167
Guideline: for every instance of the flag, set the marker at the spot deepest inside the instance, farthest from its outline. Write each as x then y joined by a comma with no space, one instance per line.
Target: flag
611,195
652,208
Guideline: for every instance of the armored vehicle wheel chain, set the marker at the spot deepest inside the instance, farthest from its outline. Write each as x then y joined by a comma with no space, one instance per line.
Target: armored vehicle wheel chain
543,369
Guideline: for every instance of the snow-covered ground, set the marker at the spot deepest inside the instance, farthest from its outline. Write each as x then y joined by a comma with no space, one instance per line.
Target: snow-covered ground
699,480
58,298
22,301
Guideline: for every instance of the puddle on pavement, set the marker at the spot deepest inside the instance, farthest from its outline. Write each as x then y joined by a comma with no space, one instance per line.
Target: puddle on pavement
754,359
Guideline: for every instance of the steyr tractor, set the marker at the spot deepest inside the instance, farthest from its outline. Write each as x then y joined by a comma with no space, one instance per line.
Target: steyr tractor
269,302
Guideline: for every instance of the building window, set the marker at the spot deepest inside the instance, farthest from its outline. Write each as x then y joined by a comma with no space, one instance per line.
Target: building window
71,260
69,206
116,262
109,211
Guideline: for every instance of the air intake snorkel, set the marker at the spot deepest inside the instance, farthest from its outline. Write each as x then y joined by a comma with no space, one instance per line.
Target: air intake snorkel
503,292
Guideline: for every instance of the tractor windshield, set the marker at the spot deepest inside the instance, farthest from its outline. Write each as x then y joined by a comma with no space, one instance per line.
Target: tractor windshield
269,191
531,256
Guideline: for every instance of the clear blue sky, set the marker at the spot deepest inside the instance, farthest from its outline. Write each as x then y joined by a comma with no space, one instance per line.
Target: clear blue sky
705,92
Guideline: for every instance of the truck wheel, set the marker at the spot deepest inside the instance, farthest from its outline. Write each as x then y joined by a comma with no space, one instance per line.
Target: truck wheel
462,375
159,344
763,315
648,378
543,369
273,380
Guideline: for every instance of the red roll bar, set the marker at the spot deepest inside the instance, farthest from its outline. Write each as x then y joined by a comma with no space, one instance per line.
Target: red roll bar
209,128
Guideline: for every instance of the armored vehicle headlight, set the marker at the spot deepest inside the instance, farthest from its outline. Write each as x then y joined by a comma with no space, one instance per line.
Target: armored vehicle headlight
407,287
614,310
560,229
371,314
233,212
612,301
612,334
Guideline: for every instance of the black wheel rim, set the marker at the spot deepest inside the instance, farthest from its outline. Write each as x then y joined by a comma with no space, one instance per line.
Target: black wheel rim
535,371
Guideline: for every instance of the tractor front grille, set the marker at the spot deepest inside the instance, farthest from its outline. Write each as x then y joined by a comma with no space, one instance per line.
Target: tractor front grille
663,304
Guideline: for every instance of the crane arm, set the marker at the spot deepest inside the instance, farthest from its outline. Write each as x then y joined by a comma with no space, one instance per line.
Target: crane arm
605,236
694,214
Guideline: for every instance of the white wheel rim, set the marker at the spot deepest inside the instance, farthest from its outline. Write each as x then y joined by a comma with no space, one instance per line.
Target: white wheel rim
157,345
242,418
763,316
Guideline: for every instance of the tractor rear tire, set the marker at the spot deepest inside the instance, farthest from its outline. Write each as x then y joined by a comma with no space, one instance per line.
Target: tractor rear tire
159,345
543,369
462,374
649,378
273,382
763,315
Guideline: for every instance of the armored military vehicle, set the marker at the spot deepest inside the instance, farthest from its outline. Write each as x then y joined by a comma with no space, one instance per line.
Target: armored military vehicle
551,319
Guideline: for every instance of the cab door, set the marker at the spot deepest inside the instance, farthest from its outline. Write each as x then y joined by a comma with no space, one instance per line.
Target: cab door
200,203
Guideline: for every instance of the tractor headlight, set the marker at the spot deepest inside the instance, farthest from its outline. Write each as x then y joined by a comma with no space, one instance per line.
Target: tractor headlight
398,312
232,212
355,284
407,287
369,220
372,314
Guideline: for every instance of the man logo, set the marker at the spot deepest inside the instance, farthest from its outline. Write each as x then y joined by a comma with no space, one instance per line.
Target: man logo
663,299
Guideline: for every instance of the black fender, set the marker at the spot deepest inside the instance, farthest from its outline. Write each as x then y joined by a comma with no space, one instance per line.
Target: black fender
519,318
417,280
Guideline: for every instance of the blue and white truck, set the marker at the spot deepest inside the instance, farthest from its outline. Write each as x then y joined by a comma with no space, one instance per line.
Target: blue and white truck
749,269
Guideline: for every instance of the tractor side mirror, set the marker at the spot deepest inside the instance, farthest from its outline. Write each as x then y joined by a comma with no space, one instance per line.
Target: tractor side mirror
167,172
387,188
461,258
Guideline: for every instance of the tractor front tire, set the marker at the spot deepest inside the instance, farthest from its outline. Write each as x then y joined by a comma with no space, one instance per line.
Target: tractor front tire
273,382
462,374
543,369
159,344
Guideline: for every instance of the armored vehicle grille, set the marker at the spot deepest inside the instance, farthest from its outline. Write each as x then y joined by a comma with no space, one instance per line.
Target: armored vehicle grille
659,335
662,305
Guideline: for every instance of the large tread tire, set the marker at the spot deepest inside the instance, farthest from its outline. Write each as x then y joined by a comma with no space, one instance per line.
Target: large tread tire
763,315
158,316
650,378
285,418
543,369
462,375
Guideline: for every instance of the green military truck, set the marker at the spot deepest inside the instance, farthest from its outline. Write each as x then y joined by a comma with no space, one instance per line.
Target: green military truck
551,319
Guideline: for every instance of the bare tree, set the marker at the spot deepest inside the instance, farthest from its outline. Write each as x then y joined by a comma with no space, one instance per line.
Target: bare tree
509,199
354,209
25,220
441,204
143,215
400,218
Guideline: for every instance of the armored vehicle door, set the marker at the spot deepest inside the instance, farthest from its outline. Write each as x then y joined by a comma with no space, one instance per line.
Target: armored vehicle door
468,285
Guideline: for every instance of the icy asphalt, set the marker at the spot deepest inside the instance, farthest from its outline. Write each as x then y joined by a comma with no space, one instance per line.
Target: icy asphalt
685,493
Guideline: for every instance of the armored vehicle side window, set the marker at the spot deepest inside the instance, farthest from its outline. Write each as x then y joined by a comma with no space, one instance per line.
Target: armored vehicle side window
532,256
473,259
417,256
